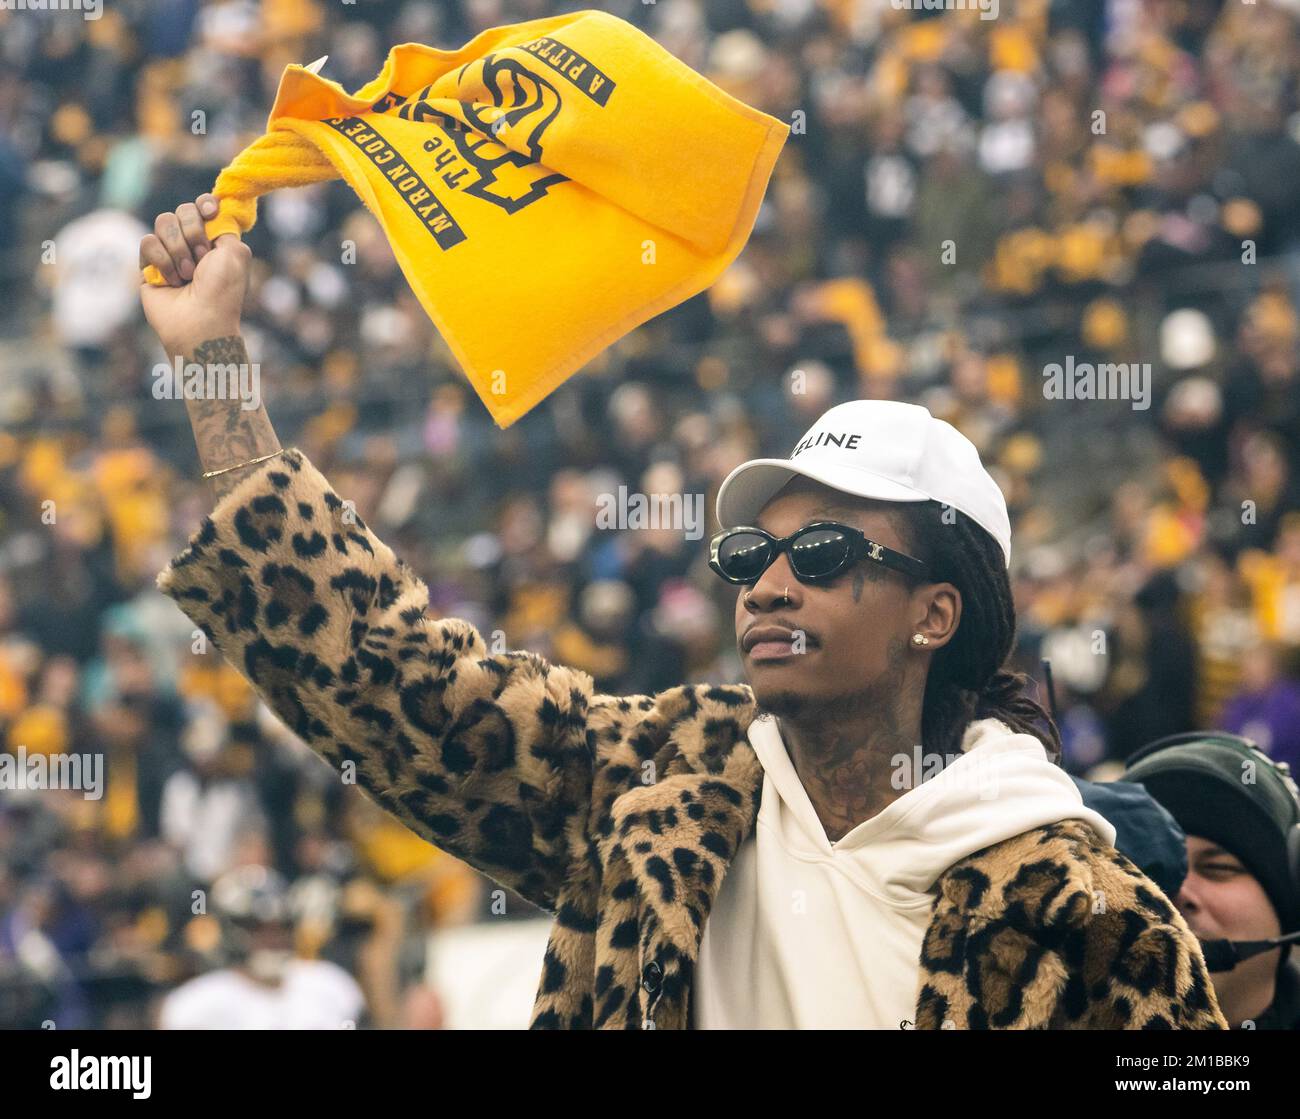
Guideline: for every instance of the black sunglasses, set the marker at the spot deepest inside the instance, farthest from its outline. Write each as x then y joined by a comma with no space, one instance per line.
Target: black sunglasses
818,552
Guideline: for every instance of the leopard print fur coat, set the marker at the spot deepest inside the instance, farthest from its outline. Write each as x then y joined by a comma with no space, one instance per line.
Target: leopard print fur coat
620,814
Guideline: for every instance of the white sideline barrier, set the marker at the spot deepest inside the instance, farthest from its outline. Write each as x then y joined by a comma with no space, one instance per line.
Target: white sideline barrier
487,974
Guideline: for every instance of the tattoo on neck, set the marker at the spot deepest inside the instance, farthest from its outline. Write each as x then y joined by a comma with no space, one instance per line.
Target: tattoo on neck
846,758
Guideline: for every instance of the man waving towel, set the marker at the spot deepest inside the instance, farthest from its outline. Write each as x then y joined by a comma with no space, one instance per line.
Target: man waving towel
546,188
882,766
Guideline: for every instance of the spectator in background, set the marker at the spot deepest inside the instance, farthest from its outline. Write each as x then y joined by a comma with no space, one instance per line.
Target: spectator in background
265,987
96,277
1240,883
1157,657
209,804
1267,708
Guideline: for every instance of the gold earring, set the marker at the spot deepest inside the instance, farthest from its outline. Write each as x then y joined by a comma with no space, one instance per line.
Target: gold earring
920,639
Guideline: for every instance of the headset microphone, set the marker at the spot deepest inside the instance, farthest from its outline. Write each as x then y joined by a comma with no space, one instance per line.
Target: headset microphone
1224,955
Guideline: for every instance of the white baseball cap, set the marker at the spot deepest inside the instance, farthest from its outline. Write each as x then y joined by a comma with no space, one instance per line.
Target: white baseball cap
881,449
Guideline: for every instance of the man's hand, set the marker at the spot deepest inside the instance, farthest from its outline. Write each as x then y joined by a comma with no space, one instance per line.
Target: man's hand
205,287
196,315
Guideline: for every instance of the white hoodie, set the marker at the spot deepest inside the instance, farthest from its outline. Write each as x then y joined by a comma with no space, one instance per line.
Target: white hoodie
806,933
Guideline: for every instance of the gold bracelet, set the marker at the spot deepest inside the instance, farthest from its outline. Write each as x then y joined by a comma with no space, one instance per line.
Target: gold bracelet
250,462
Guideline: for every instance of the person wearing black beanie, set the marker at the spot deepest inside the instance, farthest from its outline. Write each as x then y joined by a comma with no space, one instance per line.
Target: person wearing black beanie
1241,813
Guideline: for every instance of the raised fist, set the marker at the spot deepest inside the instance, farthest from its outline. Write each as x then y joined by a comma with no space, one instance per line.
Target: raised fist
206,282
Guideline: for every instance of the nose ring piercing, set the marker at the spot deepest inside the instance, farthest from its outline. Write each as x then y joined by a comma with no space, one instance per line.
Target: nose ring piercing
745,597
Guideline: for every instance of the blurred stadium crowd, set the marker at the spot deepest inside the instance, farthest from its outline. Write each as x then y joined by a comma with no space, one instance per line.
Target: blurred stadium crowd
961,203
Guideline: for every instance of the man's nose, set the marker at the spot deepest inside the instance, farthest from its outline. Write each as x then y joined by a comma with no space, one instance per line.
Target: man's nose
776,587
1187,900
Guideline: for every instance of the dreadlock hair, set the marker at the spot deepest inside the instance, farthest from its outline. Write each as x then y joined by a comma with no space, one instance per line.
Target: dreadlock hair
968,679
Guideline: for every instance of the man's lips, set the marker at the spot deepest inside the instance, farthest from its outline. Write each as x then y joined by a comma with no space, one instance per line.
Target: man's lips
772,642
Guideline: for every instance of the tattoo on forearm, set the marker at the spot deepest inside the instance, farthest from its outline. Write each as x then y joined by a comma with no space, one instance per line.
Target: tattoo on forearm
224,431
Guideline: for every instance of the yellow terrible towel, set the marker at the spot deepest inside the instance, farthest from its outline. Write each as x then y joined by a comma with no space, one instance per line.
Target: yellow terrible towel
546,188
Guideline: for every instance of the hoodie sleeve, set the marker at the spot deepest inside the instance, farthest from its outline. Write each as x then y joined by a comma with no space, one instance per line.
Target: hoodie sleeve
482,755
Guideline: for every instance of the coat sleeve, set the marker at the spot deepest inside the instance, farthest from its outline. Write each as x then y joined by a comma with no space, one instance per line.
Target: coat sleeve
1158,976
483,755
1155,973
